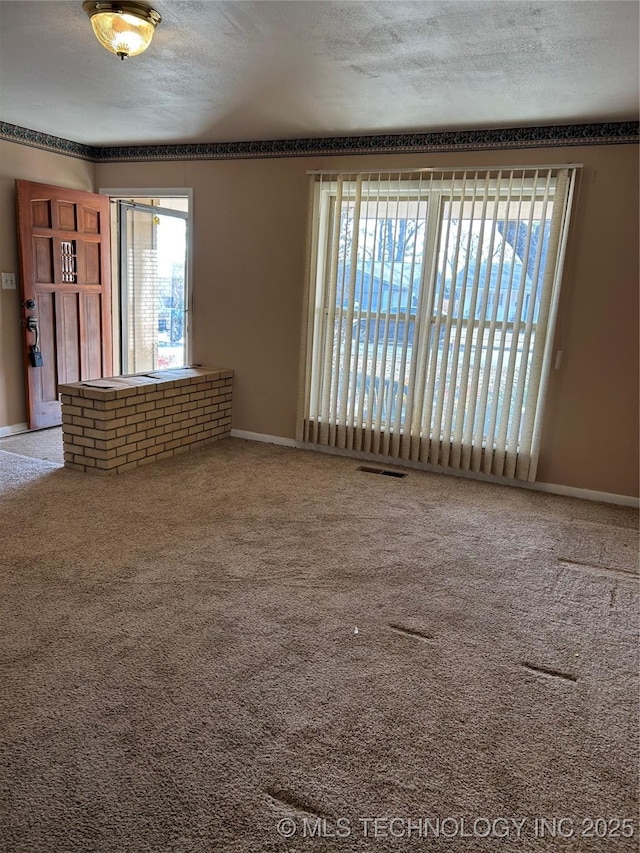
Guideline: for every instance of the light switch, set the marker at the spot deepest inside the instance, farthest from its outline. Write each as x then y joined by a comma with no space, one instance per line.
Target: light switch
8,281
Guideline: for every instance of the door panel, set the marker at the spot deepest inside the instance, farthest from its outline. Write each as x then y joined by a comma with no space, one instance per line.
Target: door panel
41,213
65,269
92,361
90,220
43,259
67,216
46,376
91,265
68,338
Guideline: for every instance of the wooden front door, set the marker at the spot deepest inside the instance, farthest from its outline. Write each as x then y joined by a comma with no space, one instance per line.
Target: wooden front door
63,238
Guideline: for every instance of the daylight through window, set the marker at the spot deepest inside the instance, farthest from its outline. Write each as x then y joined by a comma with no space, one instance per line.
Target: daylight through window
432,303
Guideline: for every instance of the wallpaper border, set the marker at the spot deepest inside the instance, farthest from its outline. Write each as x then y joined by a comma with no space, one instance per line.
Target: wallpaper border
546,136
35,139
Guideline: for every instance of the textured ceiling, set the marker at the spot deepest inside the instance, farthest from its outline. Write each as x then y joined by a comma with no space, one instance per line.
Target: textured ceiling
229,71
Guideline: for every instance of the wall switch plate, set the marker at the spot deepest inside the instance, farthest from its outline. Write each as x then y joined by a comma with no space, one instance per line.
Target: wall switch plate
8,281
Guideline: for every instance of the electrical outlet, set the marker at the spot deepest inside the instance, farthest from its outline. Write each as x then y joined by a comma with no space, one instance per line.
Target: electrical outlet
8,281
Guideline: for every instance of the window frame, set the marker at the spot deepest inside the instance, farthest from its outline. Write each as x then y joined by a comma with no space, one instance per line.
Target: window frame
428,313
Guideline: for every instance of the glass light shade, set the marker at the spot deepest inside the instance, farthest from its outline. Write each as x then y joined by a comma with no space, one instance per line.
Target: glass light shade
125,29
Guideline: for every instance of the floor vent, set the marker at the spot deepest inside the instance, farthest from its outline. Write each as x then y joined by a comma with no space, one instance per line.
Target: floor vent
367,470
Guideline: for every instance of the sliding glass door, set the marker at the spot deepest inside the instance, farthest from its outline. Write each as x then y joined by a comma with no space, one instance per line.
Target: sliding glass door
432,301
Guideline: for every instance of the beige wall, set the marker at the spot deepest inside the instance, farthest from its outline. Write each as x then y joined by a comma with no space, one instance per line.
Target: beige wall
250,221
21,161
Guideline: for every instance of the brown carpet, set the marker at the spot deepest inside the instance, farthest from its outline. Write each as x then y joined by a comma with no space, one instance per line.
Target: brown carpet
199,649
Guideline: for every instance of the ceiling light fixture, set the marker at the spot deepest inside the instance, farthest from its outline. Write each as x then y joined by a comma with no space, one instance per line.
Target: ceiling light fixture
125,29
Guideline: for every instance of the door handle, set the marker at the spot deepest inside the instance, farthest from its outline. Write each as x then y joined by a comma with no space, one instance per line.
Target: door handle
33,326
35,356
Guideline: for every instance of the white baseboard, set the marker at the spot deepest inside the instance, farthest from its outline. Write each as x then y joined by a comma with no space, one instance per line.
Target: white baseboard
13,429
267,439
585,494
551,488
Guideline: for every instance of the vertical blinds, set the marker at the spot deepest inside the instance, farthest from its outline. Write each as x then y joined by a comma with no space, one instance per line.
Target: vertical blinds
139,271
431,306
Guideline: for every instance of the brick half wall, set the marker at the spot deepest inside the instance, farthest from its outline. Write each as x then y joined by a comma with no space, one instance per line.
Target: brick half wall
113,425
